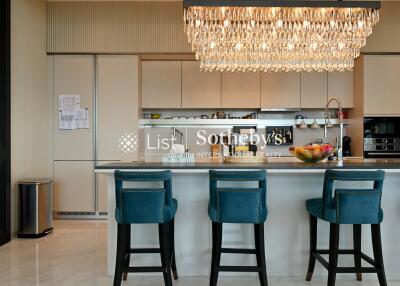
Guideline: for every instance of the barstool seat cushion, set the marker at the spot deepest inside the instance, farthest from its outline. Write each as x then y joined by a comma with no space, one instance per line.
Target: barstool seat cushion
316,208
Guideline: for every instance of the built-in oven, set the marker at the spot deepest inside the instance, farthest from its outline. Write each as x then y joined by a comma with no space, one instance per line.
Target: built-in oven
382,137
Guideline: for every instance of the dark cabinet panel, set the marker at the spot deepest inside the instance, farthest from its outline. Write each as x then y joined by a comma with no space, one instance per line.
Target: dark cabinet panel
5,187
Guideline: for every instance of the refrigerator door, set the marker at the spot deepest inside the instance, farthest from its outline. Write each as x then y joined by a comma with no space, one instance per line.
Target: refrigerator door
74,75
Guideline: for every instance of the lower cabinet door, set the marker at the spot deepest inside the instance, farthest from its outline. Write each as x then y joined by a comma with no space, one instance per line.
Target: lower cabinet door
74,186
102,205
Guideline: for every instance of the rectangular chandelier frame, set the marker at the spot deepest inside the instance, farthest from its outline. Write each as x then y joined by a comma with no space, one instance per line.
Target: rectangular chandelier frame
282,3
278,35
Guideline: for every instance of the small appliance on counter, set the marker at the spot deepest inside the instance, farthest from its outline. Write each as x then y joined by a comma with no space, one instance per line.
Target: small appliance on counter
382,137
346,146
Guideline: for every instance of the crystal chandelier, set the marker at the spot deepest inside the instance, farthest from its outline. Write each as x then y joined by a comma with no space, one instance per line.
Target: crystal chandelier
268,35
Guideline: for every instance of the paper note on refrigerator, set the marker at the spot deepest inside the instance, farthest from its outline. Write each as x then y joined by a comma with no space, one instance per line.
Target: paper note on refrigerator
69,104
66,122
70,115
82,119
72,122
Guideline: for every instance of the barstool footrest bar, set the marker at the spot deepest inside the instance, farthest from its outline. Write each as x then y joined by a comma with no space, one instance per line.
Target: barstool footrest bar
145,269
320,259
368,259
238,250
341,251
357,270
239,269
144,250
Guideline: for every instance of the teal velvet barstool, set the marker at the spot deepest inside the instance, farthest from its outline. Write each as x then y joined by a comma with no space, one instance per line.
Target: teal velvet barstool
238,204
144,205
348,206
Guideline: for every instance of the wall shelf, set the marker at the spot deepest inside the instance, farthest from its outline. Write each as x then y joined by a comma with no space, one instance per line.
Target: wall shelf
260,123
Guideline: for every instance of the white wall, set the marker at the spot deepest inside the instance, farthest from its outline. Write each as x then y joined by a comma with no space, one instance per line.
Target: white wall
30,112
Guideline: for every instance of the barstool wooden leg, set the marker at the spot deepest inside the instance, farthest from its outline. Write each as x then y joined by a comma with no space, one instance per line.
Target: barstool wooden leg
172,241
313,246
357,248
165,252
216,252
260,253
333,253
128,246
120,255
377,247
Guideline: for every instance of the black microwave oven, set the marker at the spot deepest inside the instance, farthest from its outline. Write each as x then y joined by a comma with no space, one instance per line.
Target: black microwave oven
382,137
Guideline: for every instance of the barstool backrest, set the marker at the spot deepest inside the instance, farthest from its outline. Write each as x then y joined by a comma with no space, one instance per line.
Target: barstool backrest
142,204
354,206
238,204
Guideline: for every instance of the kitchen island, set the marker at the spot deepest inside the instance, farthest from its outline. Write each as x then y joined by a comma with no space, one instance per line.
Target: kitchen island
289,185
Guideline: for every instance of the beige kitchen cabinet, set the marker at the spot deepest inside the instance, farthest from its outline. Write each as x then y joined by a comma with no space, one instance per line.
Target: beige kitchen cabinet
314,89
241,90
73,75
117,106
382,85
340,85
200,89
74,186
161,84
102,199
280,90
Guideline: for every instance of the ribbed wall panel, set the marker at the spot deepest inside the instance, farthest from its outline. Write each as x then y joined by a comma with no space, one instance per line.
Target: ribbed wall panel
157,27
116,27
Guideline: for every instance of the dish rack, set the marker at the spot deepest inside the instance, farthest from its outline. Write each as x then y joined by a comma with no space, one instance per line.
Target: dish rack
178,158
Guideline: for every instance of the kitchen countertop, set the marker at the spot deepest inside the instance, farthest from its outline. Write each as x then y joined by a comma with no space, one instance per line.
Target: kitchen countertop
278,165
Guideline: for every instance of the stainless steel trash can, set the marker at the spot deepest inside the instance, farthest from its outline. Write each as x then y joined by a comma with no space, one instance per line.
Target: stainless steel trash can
36,208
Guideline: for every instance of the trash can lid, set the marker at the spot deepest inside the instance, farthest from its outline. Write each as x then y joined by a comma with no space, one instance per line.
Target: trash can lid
34,181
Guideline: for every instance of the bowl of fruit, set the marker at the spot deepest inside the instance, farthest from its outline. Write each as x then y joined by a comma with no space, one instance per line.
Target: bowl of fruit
313,153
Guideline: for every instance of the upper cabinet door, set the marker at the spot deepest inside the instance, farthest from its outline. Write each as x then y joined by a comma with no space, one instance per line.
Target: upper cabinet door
340,85
117,106
161,84
314,89
200,89
74,75
280,90
241,90
381,85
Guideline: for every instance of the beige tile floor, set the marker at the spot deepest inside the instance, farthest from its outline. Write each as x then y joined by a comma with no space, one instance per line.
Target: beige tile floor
75,255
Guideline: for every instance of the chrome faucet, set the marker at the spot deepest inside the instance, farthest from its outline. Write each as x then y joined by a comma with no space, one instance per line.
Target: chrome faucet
340,141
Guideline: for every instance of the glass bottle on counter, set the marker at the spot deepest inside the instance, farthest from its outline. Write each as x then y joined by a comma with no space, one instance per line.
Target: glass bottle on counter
253,148
283,134
288,135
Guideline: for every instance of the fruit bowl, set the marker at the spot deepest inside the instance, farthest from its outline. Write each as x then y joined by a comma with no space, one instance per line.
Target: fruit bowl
313,153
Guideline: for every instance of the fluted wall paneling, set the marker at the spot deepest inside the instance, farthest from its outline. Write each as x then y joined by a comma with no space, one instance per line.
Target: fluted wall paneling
156,27
116,27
